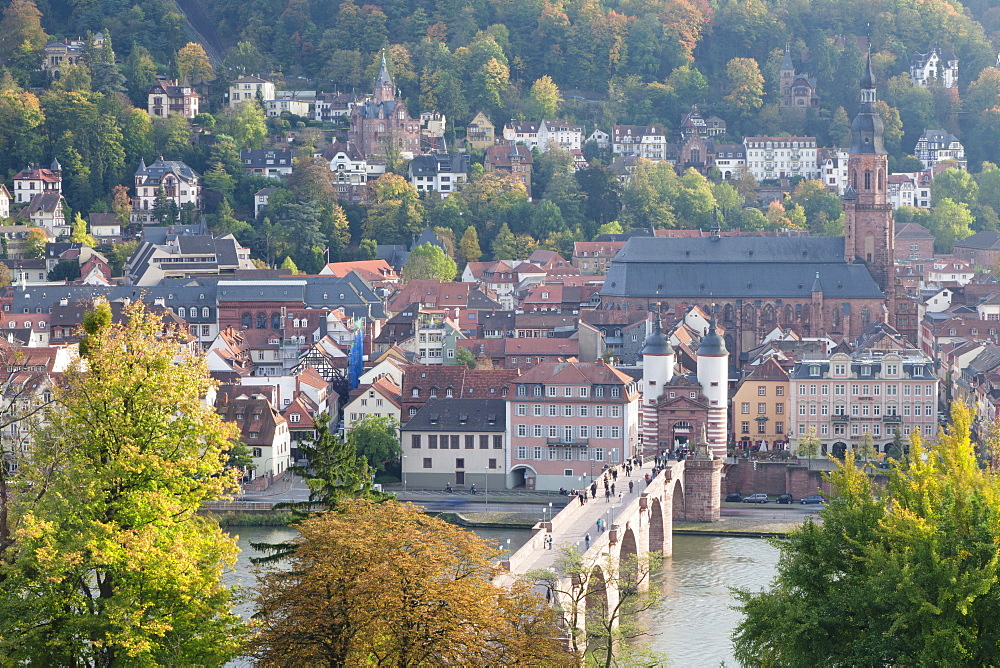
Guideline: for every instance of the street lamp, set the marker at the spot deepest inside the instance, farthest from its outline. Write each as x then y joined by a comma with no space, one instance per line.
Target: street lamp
404,474
486,476
550,511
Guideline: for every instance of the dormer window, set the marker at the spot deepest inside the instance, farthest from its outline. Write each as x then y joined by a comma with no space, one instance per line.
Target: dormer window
416,393
813,370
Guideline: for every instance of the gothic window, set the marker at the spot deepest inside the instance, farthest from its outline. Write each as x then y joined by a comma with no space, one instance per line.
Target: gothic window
866,317
835,317
727,313
767,317
246,320
881,180
261,321
275,321
854,179
749,316
868,179
789,314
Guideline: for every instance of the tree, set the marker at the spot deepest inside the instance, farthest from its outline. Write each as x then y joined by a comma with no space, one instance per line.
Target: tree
34,242
65,270
614,227
468,247
22,38
955,184
808,446
502,247
949,222
385,583
395,213
79,232
911,565
429,261
376,439
110,562
4,276
866,448
119,255
543,99
193,65
745,85
289,264
247,124
582,584
465,356
21,120
840,129
140,72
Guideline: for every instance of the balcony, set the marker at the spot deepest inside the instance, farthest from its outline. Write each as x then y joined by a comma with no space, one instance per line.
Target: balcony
841,418
578,442
893,418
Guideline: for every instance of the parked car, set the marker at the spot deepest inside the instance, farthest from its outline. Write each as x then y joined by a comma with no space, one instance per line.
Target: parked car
784,498
812,498
756,498
734,496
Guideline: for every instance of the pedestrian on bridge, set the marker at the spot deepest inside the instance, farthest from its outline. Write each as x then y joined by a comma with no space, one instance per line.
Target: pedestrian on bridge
630,483
593,489
586,541
607,495
599,529
582,498
612,489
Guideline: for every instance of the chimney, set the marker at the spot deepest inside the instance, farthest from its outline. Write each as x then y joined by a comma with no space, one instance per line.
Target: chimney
64,301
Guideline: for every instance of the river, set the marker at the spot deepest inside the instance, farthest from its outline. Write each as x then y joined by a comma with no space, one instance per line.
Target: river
693,625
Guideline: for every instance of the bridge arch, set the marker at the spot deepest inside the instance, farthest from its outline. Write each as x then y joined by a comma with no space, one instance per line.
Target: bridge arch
521,476
628,562
674,490
595,603
656,533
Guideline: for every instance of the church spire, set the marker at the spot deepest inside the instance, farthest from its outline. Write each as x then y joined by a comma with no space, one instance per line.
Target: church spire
866,129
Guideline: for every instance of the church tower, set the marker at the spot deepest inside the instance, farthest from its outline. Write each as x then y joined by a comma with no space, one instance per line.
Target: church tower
787,79
868,221
385,89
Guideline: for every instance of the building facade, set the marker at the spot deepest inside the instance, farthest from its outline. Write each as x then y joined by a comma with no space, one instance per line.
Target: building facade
769,158
568,420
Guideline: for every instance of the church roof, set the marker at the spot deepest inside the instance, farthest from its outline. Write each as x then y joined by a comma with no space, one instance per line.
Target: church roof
736,267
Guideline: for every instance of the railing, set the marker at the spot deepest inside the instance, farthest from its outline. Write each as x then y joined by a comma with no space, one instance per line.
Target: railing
892,418
574,441
841,418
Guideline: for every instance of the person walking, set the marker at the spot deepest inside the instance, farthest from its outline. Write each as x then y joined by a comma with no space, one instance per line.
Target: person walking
607,496
612,489
586,541
598,526
630,483
581,497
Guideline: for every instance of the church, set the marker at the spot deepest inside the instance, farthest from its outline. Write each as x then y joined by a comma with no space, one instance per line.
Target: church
382,121
820,286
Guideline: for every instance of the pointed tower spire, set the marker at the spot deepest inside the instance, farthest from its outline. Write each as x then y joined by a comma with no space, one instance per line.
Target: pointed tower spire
714,230
786,64
817,286
867,128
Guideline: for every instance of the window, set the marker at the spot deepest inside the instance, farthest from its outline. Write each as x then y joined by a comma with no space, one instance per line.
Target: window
553,410
584,391
536,410
616,432
460,462
761,408
498,442
536,430
536,391
470,441
432,441
814,370
599,392
779,391
779,409
583,411
598,411
761,427
522,430
745,407
762,390
599,431
779,427
616,411
428,463
258,452
552,391
522,391
415,441
567,391
744,427
294,418
520,409
616,392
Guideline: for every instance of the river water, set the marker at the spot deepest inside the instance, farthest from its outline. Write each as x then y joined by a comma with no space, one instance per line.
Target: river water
694,624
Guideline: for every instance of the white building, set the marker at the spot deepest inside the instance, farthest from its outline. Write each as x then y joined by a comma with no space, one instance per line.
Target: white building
601,138
32,181
521,132
382,398
296,107
439,173
5,199
937,65
950,271
770,158
910,189
250,88
559,133
937,145
168,97
179,183
833,167
640,141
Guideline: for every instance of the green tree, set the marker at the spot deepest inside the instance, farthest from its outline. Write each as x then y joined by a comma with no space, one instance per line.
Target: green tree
111,564
468,247
866,448
140,73
119,255
917,557
395,213
465,356
695,201
502,247
289,264
367,249
80,232
376,439
247,125
547,220
840,129
429,261
172,136
22,39
614,227
543,99
955,184
819,204
217,179
949,222
21,120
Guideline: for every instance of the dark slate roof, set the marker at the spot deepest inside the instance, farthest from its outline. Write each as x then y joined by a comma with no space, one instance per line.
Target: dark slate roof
161,167
981,241
258,157
460,415
736,267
